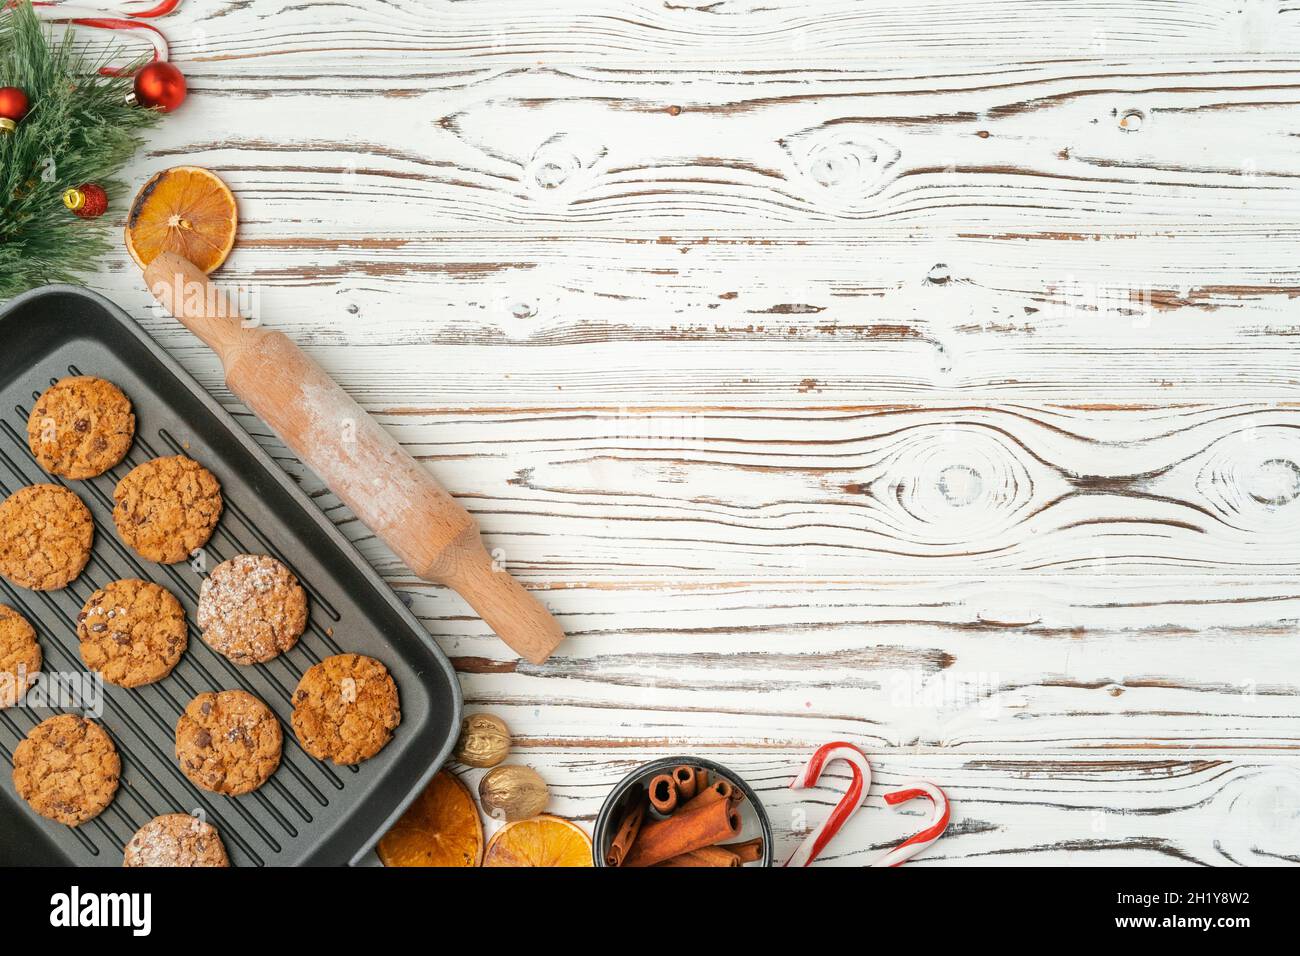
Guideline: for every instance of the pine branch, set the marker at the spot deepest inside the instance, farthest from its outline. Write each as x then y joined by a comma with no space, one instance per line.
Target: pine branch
79,130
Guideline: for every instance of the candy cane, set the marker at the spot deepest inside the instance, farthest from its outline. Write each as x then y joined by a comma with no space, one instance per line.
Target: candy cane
816,841
90,17
921,841
68,11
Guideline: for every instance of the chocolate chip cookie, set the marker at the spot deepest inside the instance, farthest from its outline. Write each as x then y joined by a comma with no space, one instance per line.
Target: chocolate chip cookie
20,656
80,427
252,608
45,536
228,742
173,840
67,769
132,632
345,709
167,507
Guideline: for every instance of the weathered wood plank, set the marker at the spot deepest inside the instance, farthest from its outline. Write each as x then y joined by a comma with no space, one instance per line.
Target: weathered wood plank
745,493
1116,809
766,374
973,293
1030,664
289,37
1094,146
550,321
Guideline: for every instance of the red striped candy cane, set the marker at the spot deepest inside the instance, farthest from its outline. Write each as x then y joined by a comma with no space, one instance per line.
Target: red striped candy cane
921,841
90,17
816,841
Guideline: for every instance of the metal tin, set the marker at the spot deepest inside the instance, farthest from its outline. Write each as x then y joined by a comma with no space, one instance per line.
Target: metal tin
309,812
633,787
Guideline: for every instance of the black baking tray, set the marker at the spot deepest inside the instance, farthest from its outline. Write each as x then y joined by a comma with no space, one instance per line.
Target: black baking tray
309,812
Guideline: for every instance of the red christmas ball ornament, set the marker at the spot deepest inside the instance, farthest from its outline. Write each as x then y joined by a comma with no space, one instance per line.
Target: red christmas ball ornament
87,201
13,107
159,86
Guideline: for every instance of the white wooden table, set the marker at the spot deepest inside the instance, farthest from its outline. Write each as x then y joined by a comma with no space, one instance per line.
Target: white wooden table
922,374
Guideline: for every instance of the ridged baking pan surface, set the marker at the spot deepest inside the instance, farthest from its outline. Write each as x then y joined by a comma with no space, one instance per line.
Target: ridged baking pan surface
309,812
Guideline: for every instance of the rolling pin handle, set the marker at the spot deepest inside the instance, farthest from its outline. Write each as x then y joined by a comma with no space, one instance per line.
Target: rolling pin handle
518,618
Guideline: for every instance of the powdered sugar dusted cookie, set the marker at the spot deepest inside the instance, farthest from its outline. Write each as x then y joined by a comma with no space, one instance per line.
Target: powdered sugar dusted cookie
175,839
251,609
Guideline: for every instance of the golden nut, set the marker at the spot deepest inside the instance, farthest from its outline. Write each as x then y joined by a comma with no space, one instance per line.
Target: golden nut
513,793
484,741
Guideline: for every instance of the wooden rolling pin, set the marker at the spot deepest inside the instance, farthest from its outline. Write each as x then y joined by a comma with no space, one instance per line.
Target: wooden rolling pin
385,487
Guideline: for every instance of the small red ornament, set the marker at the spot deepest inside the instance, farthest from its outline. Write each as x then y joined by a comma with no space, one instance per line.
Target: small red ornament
87,201
13,107
159,86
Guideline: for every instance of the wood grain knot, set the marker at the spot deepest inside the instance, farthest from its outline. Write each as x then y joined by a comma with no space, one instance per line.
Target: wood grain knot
1132,121
523,296
1260,817
939,274
845,170
1251,480
562,165
952,484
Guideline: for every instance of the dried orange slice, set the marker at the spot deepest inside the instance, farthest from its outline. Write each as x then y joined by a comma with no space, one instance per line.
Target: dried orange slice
441,828
541,841
185,210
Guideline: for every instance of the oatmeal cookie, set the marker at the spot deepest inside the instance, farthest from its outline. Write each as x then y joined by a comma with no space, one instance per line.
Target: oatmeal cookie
132,632
45,537
80,427
67,769
345,709
167,507
20,656
228,742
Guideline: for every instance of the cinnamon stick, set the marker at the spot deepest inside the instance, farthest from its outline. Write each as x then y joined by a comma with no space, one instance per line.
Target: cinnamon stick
748,852
685,777
686,830
704,856
625,835
701,780
663,793
719,790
